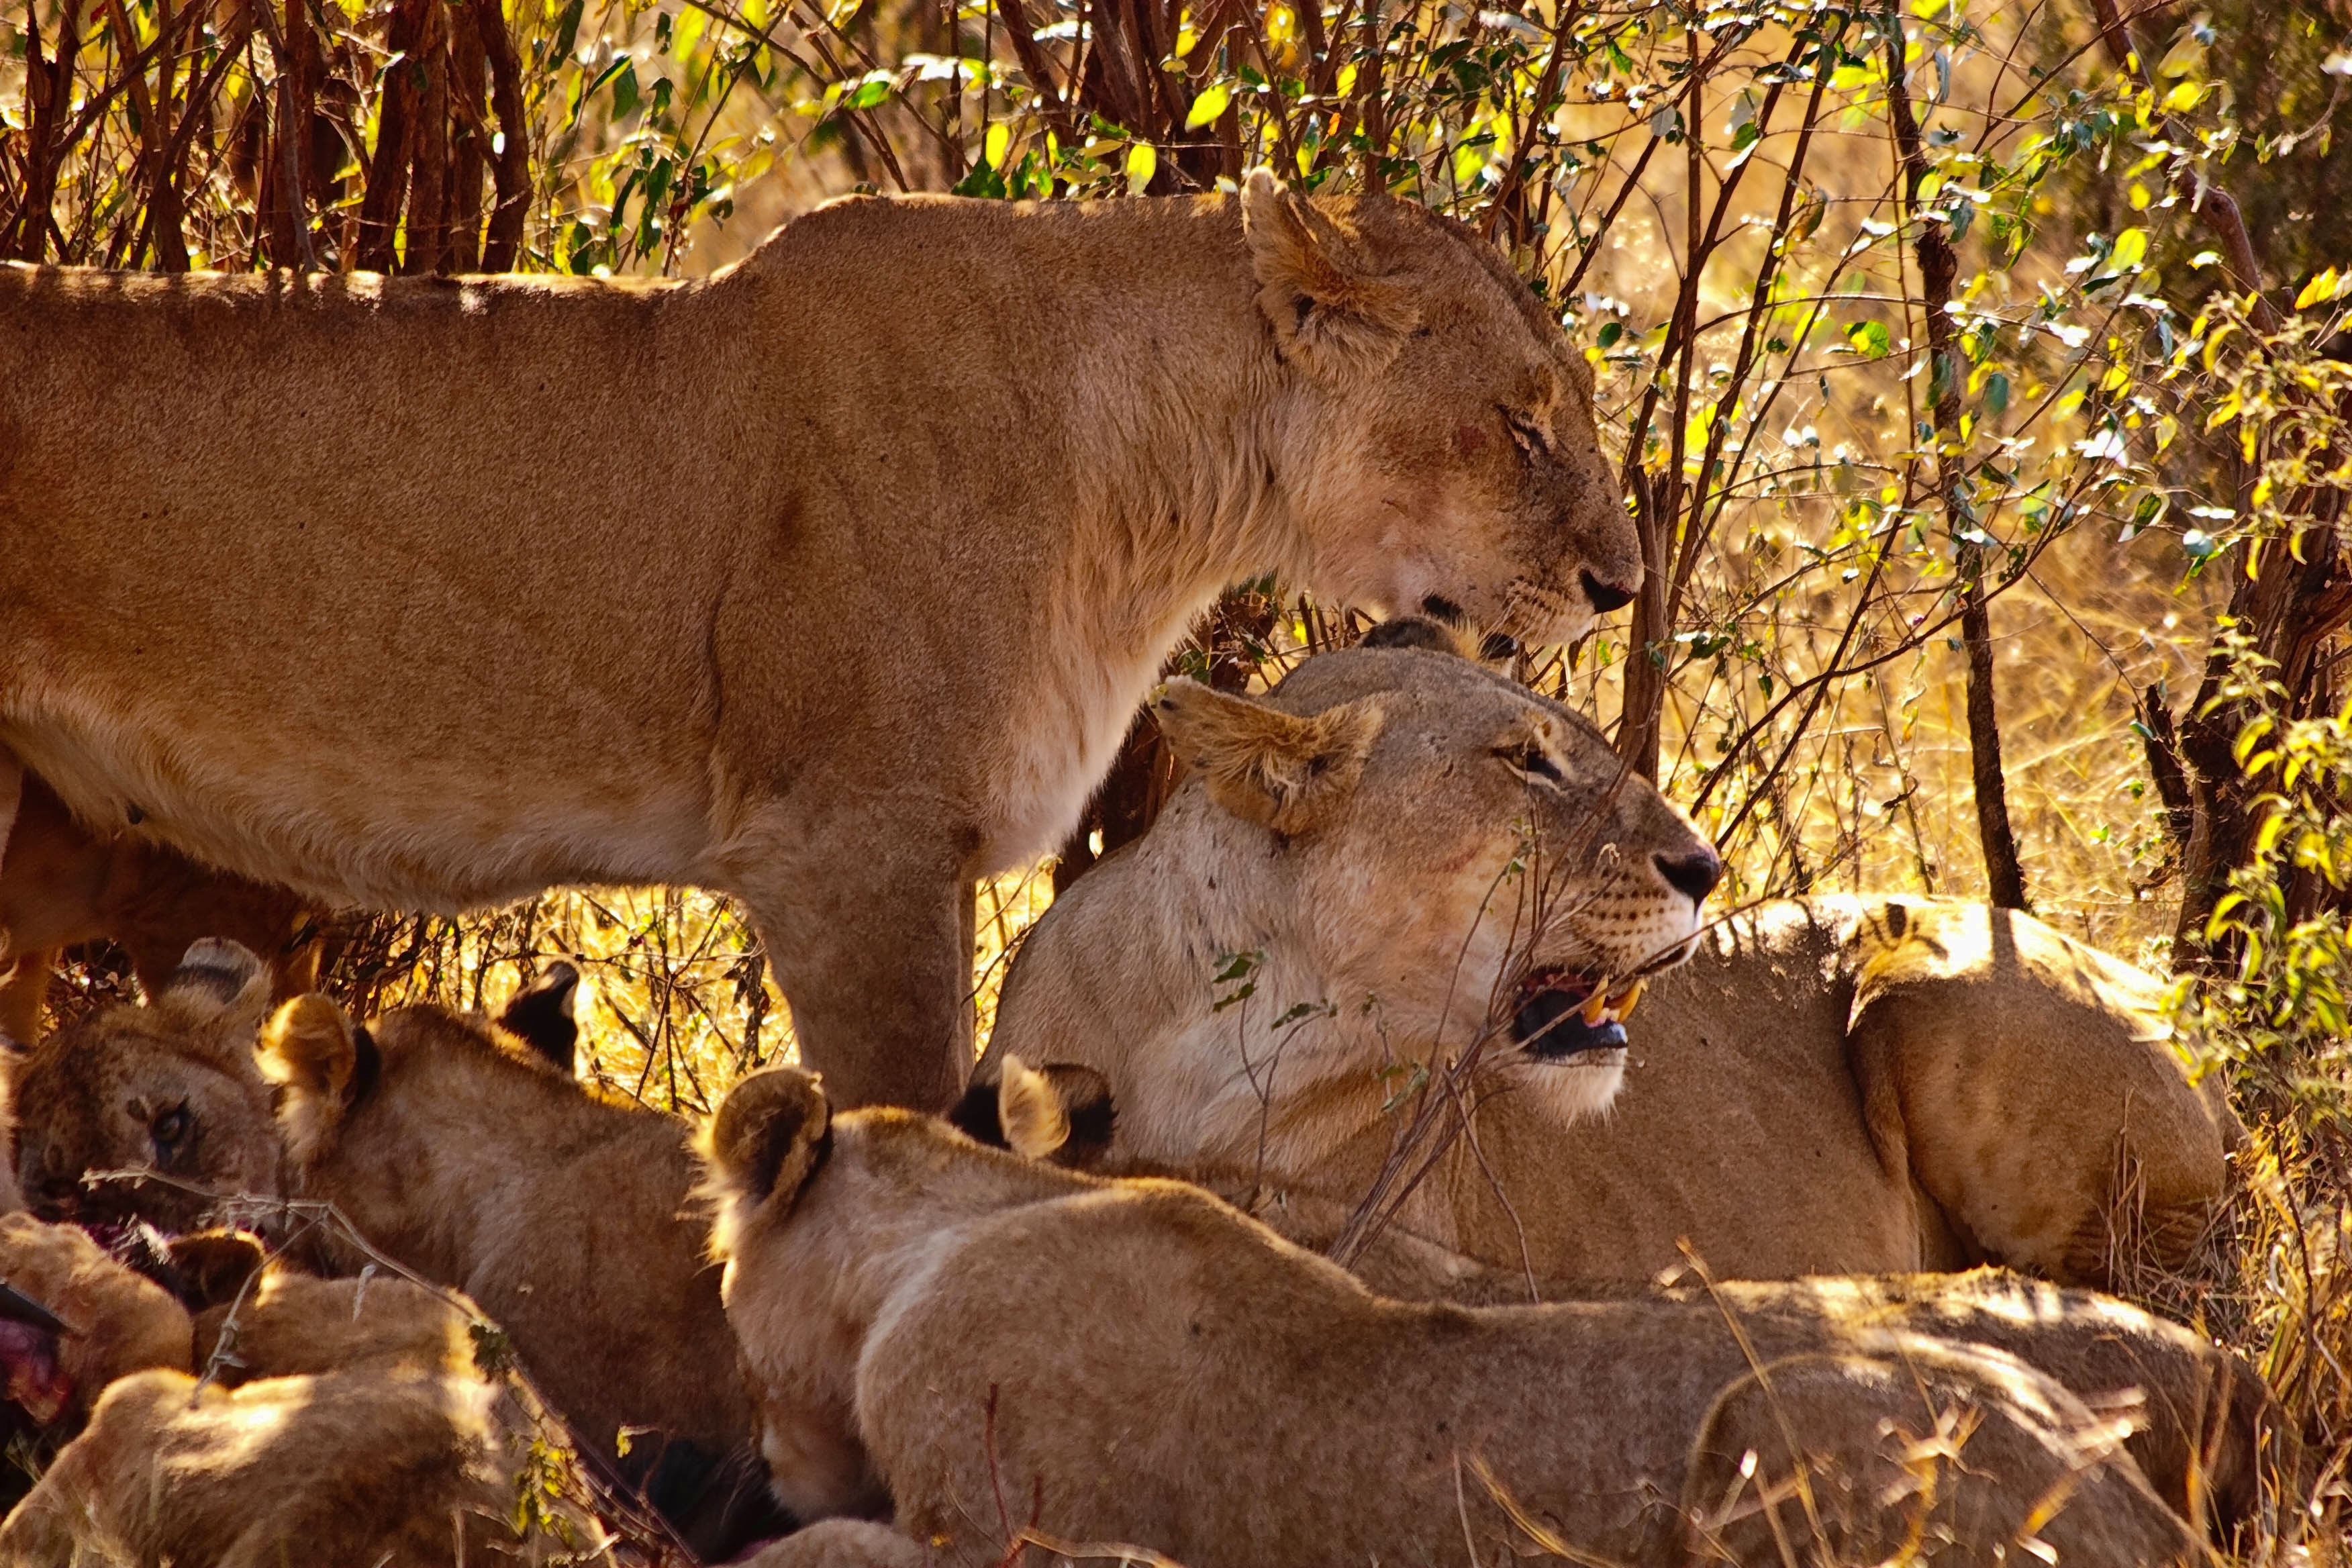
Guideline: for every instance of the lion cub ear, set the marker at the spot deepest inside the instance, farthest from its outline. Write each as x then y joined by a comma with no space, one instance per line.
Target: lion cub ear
308,1045
1281,771
772,1130
1329,311
546,1016
1061,1112
217,983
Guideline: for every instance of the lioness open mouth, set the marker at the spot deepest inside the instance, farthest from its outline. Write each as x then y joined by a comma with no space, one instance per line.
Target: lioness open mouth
1562,1015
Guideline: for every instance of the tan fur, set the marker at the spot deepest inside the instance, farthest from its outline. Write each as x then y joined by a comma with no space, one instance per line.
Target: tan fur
874,632
2204,1428
466,1158
2202,1424
62,884
291,1324
1829,1086
384,1446
1134,1362
362,1429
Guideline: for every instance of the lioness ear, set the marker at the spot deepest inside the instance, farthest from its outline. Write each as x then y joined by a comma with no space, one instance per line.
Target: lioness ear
772,1130
1278,770
216,982
212,1266
1328,309
308,1045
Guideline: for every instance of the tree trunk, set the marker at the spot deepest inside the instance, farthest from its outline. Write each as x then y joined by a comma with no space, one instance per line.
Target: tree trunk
1938,265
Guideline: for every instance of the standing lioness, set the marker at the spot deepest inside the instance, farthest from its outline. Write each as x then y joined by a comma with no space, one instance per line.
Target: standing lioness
831,582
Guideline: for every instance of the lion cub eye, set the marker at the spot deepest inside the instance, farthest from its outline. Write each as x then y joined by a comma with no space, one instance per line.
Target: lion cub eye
170,1129
1527,758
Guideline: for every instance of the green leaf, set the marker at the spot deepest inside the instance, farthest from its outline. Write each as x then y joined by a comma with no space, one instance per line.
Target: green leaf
1869,339
624,92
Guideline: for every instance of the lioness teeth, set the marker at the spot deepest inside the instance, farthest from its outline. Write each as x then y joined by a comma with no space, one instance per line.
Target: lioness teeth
1625,1005
1596,1007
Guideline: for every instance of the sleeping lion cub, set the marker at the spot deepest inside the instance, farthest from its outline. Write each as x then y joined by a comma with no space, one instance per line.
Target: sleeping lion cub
987,1347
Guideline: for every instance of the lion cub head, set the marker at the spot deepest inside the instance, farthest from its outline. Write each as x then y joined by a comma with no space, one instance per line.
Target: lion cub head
1449,423
170,1087
204,1086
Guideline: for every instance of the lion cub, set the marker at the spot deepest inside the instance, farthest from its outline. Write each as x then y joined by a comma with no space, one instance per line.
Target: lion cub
337,1421
986,1346
457,1153
2202,1418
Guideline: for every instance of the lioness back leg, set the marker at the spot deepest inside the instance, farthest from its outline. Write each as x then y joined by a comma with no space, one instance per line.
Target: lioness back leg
878,970
2028,1083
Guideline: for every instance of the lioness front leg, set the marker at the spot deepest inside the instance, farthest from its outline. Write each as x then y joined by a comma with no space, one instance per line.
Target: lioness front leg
878,974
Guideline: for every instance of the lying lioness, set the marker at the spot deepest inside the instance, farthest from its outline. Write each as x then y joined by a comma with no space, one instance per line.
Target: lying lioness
454,1151
992,1348
873,633
1829,1086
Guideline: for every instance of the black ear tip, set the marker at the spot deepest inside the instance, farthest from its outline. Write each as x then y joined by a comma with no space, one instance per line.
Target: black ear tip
1412,632
761,1120
1094,1116
542,1015
976,1115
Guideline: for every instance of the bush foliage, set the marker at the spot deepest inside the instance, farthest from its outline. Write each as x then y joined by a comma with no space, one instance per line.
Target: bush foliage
1977,368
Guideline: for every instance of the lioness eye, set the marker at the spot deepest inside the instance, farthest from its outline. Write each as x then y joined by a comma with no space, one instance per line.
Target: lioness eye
1531,760
170,1128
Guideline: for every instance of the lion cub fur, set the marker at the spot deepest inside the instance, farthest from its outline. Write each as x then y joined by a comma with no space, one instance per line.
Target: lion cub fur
931,1325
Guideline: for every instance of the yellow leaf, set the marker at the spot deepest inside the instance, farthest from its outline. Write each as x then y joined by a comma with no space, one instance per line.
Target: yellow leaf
1208,106
2320,287
1142,160
999,143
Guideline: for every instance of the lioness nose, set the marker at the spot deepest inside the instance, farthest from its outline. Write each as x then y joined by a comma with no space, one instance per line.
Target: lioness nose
1606,596
1695,874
